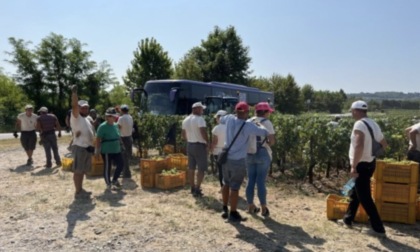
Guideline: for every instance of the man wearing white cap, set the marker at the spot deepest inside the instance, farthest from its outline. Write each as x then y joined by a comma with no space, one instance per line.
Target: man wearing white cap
83,134
195,134
26,123
125,123
363,165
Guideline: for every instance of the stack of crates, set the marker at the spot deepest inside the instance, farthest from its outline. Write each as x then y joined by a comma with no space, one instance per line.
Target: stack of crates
394,189
149,168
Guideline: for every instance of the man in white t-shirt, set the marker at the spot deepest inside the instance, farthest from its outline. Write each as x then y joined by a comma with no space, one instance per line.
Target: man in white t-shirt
83,133
218,141
26,123
125,123
362,167
195,134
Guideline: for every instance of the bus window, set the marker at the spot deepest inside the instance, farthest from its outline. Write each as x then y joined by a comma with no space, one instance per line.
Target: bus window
213,104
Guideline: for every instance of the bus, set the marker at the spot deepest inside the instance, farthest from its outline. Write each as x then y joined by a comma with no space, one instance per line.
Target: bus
175,97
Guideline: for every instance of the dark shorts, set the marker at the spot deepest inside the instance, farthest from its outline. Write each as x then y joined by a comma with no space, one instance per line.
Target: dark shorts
234,172
28,140
82,160
197,156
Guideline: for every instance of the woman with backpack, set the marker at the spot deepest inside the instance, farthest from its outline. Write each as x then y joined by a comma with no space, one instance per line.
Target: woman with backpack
259,160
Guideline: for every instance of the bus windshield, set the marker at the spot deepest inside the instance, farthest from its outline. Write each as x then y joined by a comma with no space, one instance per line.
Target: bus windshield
162,99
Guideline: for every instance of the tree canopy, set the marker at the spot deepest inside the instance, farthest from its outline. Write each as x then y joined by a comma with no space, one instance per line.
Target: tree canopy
47,71
221,57
150,62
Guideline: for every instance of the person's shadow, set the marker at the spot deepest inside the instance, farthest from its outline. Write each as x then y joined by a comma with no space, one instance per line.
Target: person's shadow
78,210
112,197
281,235
22,168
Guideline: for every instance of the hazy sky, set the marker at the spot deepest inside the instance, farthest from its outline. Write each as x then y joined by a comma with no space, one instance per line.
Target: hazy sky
354,45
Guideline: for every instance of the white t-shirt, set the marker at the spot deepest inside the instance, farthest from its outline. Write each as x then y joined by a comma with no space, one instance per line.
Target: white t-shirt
416,127
27,123
83,125
126,125
192,125
219,131
367,147
252,144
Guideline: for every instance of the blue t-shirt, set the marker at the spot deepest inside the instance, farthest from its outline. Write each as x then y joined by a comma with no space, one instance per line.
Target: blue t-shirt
110,138
239,148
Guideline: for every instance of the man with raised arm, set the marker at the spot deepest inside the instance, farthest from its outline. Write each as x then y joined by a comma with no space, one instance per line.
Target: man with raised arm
83,134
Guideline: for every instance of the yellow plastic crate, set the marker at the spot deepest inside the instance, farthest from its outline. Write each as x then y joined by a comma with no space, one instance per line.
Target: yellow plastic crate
153,166
337,207
405,173
397,212
179,161
97,166
170,181
393,192
66,163
147,180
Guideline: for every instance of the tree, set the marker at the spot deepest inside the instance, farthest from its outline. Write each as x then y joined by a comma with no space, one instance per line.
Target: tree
150,63
28,75
47,72
188,68
307,94
12,101
286,94
261,83
221,57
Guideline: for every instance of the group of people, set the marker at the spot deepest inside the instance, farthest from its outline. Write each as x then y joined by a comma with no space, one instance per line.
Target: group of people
46,124
249,141
111,139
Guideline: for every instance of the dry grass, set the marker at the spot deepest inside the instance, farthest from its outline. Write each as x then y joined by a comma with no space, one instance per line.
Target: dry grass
38,212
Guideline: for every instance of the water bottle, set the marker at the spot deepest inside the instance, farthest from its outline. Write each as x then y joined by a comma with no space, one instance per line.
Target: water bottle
348,187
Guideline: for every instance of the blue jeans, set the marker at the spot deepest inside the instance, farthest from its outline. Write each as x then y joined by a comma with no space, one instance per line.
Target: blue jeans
258,165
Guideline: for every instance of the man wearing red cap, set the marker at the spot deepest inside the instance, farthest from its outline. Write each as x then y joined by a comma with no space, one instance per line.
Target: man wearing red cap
234,170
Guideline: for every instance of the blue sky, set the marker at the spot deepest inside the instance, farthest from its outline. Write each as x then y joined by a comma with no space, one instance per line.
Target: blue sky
357,46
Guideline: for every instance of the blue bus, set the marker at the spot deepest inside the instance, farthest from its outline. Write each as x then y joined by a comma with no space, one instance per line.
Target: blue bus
175,97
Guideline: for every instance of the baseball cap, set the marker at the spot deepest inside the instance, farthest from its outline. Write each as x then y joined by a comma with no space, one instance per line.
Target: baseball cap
111,112
359,105
198,104
29,106
220,113
242,106
83,103
43,109
263,106
124,107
